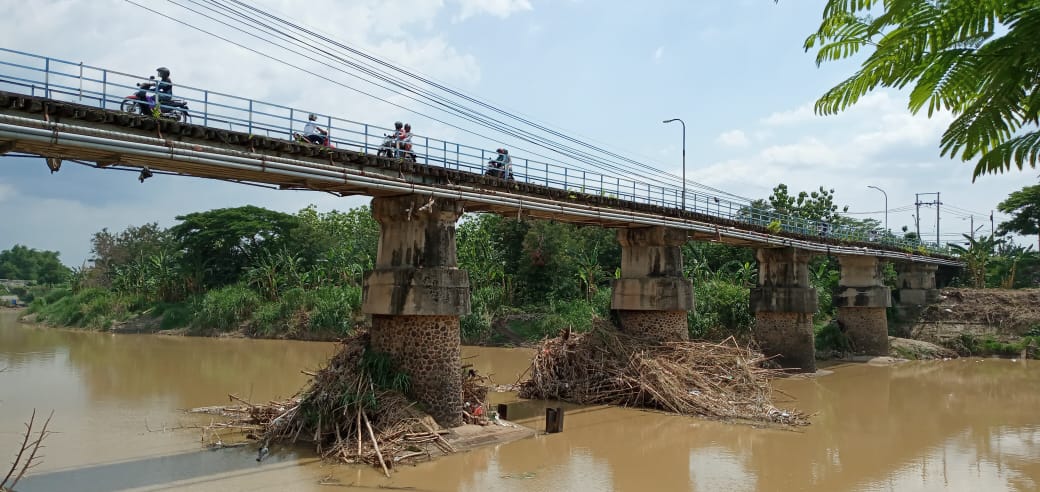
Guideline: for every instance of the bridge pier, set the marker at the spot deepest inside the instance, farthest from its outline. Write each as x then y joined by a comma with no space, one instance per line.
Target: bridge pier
861,299
916,288
784,304
652,297
415,295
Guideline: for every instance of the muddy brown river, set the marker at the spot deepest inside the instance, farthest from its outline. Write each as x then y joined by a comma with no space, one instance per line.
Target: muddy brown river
118,424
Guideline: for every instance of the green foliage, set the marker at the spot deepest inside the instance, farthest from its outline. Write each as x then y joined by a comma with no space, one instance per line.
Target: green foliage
221,243
976,59
89,308
723,310
225,308
383,372
332,309
976,257
23,263
816,205
829,337
1024,205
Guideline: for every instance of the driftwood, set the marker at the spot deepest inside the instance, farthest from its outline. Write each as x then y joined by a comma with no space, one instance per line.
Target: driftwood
348,417
605,366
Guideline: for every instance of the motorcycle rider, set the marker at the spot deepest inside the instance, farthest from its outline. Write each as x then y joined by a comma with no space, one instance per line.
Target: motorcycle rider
502,166
163,89
314,133
406,138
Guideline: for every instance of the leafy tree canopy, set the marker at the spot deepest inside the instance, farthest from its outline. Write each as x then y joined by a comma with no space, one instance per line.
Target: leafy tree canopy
816,205
978,59
222,242
24,263
115,250
1024,205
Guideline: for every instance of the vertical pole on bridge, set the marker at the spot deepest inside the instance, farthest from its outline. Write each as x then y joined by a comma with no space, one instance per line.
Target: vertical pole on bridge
205,108
80,81
46,77
250,116
104,88
366,138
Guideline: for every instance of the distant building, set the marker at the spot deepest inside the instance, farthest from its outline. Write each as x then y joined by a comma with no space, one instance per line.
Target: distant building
14,284
10,301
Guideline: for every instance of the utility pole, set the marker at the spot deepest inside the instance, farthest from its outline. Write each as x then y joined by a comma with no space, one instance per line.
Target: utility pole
917,214
937,204
918,203
991,232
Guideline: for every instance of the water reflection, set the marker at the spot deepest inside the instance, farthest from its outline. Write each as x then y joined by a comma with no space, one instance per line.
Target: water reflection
954,425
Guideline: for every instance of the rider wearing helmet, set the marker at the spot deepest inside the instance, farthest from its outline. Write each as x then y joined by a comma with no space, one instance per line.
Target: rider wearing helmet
502,165
406,137
314,133
163,88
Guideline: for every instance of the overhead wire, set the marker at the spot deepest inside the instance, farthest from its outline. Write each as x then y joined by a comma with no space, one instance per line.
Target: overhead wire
252,21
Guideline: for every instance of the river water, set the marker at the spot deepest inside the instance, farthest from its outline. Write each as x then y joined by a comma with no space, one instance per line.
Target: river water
118,424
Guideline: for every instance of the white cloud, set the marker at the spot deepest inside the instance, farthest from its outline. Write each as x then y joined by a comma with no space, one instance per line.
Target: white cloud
798,115
733,138
497,8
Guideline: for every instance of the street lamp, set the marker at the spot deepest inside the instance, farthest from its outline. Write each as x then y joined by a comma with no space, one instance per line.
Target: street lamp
683,158
886,204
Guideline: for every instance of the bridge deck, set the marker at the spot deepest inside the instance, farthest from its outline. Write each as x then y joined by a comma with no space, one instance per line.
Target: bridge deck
65,130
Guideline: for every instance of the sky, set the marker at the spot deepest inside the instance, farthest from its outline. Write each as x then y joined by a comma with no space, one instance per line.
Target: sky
604,71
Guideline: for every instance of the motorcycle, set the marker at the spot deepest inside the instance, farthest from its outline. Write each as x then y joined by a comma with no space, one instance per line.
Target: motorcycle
174,109
300,138
393,148
495,170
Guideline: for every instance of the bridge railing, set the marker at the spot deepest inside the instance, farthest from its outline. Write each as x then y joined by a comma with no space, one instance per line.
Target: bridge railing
108,89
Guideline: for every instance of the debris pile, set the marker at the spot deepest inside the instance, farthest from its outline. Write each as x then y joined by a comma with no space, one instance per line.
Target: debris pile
354,410
606,366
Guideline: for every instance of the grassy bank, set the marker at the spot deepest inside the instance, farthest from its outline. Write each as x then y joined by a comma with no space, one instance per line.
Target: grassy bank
324,313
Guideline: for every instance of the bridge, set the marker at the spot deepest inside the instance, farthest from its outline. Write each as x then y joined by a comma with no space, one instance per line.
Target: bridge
67,111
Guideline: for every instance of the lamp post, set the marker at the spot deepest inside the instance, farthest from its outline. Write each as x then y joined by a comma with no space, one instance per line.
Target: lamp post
886,204
683,158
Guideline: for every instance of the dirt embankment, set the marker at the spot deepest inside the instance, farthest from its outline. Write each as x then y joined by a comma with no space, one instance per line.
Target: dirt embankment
982,313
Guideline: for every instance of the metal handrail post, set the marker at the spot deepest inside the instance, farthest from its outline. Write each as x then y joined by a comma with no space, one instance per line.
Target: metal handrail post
47,77
250,116
80,81
104,89
427,151
205,108
366,138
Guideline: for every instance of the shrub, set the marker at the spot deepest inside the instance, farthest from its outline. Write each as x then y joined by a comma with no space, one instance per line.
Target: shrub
723,309
333,308
223,309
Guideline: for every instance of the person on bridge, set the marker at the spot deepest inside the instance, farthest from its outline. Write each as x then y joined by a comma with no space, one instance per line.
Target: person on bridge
502,166
163,89
406,138
314,133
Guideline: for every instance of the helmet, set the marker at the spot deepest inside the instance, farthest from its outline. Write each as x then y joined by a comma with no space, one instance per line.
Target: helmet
500,151
408,126
313,117
505,151
163,72
398,125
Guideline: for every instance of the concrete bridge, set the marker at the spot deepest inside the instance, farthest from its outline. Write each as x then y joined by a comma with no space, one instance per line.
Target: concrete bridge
416,293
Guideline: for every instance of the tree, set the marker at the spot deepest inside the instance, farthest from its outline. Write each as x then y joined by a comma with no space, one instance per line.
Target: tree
24,263
220,243
817,205
112,252
1024,204
977,59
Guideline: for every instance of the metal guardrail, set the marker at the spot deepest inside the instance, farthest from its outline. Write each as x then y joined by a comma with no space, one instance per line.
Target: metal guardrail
108,89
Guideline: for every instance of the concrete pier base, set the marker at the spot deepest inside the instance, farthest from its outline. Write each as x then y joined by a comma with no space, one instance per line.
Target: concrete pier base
427,349
916,288
784,305
861,299
651,298
415,295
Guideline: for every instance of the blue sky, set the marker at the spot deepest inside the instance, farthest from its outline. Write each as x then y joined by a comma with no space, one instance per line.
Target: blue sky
607,71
